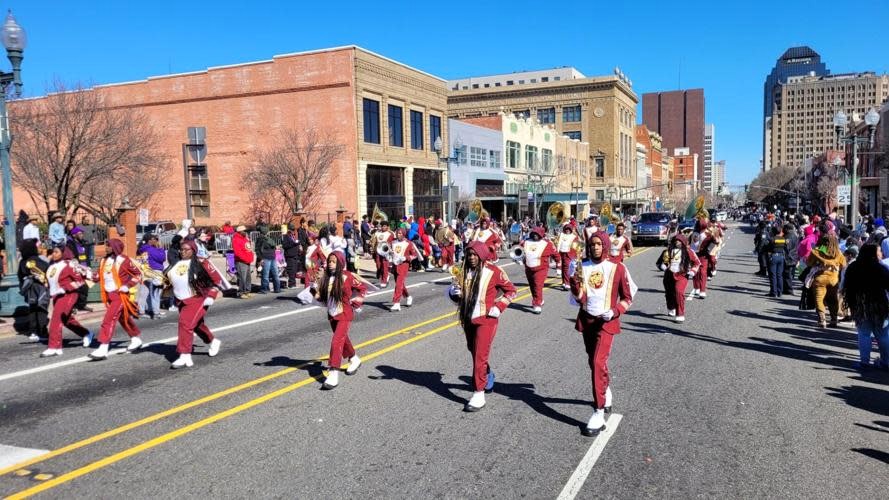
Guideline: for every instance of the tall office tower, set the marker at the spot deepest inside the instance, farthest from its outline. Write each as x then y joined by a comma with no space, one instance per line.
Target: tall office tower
709,154
678,116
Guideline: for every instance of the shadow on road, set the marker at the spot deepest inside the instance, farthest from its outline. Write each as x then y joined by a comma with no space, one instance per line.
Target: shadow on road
875,454
519,392
312,367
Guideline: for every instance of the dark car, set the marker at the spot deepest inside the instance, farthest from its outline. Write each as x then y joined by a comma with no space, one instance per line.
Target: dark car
652,227
686,223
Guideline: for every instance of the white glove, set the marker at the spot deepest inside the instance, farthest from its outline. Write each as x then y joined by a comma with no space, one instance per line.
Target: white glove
124,289
663,267
608,315
558,272
455,291
494,313
690,274
208,301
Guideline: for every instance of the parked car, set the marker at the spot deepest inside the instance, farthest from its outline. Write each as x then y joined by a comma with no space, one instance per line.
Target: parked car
165,229
652,227
686,223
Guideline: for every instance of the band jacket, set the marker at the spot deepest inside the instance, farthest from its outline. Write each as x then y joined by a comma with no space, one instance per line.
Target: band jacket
693,262
494,282
538,254
610,282
62,278
353,296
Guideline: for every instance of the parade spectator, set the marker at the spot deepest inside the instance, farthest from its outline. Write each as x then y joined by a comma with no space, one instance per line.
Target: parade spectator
244,259
865,289
56,231
826,261
30,231
266,262
154,255
88,240
228,229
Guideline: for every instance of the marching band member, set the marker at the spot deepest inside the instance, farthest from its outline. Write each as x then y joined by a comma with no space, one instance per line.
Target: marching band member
64,282
591,227
679,263
384,235
194,281
538,252
719,235
117,276
620,244
604,290
340,291
567,246
705,246
447,242
479,308
403,252
488,236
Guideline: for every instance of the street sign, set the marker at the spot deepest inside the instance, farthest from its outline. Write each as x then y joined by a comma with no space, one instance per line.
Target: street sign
844,195
143,216
523,201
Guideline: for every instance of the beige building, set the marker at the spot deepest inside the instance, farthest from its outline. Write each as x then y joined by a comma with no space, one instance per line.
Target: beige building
801,126
599,110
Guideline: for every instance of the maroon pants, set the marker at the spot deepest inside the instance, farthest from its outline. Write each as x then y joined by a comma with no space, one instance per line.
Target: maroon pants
711,265
447,255
114,314
61,316
566,261
400,272
478,340
598,347
674,290
340,345
382,268
191,322
700,281
535,282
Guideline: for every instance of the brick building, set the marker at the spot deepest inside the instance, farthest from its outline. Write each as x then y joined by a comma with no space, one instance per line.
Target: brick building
385,114
678,116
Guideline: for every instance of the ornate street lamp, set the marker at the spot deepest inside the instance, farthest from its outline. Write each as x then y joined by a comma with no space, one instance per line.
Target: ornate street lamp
840,121
437,147
14,39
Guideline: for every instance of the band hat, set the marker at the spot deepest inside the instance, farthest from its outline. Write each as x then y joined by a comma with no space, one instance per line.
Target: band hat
241,228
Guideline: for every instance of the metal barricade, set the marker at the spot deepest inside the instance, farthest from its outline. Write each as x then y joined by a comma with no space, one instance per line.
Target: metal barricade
222,242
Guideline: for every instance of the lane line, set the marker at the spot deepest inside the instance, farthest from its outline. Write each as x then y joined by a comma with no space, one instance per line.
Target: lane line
575,482
12,454
206,399
169,436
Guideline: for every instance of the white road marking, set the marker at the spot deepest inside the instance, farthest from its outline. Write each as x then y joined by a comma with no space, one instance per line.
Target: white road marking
575,482
11,455
122,350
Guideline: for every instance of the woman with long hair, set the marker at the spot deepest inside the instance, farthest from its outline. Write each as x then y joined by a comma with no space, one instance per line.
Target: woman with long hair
194,282
479,309
826,261
679,264
64,282
865,289
341,292
117,277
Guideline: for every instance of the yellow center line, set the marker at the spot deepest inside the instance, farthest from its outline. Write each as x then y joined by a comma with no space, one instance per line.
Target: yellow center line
216,417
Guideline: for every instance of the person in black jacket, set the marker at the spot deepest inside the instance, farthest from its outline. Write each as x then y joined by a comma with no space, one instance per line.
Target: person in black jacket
760,240
34,289
292,253
792,256
265,261
776,251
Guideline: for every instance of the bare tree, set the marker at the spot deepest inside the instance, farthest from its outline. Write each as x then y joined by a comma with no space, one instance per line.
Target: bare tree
764,186
72,150
293,173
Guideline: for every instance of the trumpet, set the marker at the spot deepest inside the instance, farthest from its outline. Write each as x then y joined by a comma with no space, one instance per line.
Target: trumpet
36,272
517,253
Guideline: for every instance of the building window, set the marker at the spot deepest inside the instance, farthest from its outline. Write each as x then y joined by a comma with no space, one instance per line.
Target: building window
600,195
371,121
513,155
571,114
416,130
509,82
544,79
546,115
385,188
574,134
523,114
532,161
475,85
434,129
521,82
547,160
600,167
494,159
396,129
478,157
533,80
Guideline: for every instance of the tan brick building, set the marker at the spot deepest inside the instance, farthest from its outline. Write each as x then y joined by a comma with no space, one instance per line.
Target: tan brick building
388,154
600,111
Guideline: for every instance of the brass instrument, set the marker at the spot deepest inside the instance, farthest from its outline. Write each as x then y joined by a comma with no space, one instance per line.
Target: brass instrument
577,247
36,272
378,215
605,215
557,214
456,274
384,250
517,253
86,272
157,278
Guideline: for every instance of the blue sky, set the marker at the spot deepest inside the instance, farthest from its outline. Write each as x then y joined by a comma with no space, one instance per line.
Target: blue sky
727,48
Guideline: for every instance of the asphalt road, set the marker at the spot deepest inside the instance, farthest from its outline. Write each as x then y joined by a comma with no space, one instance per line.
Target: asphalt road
746,399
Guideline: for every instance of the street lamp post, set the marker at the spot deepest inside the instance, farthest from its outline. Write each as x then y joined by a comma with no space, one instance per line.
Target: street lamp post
871,119
14,39
437,146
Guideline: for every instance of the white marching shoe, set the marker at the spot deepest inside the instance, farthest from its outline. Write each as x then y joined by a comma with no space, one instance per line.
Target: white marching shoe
88,339
671,312
100,353
702,295
410,301
183,362
476,402
214,347
537,309
332,380
680,319
693,294
395,307
596,423
135,343
608,399
354,363
51,352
